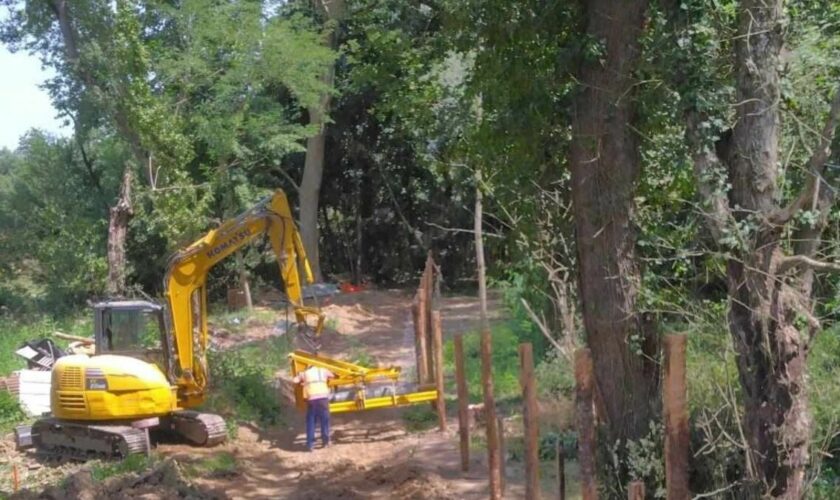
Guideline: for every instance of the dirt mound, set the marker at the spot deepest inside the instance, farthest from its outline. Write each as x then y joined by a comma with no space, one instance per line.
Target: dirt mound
162,482
410,481
349,481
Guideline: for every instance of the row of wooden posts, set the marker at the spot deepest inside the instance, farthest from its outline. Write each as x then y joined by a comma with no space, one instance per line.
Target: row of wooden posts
429,353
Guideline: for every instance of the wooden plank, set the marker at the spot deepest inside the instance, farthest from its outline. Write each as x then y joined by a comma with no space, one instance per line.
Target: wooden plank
636,490
463,403
676,419
530,420
585,424
437,349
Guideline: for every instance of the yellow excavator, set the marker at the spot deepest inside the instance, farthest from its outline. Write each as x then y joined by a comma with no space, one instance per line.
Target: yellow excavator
150,363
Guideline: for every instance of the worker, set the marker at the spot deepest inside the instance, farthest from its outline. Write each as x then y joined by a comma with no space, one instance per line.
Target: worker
317,395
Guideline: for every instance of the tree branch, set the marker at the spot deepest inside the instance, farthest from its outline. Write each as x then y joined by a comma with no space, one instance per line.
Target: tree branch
816,167
790,262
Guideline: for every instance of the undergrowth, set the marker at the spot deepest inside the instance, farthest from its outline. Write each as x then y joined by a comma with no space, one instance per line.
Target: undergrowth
505,363
242,382
10,412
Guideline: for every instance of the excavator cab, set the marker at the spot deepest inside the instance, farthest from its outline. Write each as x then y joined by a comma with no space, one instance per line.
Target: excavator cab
132,328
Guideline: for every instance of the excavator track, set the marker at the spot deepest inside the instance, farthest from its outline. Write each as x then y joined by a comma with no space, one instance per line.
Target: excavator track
202,429
81,441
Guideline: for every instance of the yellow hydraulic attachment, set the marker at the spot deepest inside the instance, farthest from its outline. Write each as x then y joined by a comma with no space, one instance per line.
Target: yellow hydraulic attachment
357,388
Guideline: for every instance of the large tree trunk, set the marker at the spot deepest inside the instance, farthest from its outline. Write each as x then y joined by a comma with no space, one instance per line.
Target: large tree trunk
769,290
605,167
118,218
771,351
313,168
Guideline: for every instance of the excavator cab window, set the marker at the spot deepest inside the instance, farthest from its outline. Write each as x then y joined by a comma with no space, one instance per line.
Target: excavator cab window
129,328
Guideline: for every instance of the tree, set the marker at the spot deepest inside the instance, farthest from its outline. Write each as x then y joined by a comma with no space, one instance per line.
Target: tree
605,168
313,170
772,248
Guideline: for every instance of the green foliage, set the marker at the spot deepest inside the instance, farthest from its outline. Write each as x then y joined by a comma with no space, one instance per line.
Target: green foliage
242,381
505,363
10,412
555,376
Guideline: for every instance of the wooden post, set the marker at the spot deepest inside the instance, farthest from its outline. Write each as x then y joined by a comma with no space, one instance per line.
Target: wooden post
561,471
428,277
418,355
585,424
437,349
529,414
15,479
493,457
636,490
502,453
422,346
676,419
463,402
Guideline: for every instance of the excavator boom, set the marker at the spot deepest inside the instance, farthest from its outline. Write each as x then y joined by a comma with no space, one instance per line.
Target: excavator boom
187,275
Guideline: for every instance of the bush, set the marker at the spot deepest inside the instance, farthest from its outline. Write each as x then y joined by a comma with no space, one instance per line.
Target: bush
10,412
243,381
555,376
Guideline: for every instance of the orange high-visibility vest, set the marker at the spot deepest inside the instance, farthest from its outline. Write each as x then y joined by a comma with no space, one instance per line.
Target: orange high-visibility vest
315,383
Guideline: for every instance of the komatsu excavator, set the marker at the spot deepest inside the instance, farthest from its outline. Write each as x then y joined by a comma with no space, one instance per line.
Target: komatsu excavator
150,363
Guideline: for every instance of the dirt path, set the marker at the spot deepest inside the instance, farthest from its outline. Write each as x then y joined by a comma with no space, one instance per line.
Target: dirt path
373,455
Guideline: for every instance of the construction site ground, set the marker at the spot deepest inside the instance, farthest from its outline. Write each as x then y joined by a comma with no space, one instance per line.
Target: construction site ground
373,454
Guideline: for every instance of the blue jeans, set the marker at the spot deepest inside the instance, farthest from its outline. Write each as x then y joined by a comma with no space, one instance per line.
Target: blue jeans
318,409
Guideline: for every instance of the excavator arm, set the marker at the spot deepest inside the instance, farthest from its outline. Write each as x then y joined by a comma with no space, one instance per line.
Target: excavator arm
186,278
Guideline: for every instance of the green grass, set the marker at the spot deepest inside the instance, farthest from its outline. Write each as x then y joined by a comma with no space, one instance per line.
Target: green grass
505,361
101,471
221,464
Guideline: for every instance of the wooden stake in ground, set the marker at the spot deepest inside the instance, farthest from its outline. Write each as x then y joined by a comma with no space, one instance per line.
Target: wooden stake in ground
636,491
437,350
493,455
463,401
502,454
561,471
676,419
420,342
585,424
529,414
428,284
